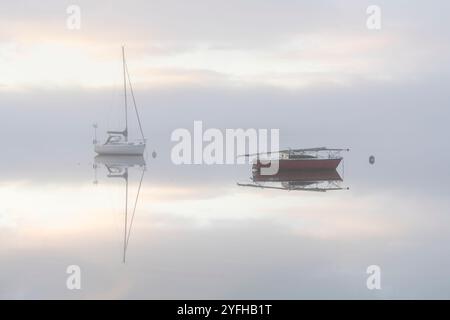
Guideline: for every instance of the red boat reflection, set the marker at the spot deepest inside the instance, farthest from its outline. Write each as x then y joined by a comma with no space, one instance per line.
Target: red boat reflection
301,169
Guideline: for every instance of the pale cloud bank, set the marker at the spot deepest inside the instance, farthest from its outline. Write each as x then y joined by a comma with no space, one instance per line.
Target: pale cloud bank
284,44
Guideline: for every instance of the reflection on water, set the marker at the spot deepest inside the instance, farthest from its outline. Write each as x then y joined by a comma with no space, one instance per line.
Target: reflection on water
195,234
313,169
192,233
298,180
118,167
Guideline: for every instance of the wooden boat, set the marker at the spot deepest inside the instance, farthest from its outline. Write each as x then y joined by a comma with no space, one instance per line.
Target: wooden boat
300,169
303,159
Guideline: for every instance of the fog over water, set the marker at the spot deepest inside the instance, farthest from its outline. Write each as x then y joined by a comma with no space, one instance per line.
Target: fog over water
317,75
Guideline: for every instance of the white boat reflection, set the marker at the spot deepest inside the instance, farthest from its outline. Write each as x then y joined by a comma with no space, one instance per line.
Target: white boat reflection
118,167
124,161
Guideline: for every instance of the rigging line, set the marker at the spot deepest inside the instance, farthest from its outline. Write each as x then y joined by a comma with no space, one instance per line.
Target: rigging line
134,209
134,101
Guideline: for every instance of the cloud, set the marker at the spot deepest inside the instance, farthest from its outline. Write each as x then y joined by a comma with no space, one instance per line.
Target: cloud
311,69
287,44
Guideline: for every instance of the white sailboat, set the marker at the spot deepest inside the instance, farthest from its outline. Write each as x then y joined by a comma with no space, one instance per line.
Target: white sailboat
117,142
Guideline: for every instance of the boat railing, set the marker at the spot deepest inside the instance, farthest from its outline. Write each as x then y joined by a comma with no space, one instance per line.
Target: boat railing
321,154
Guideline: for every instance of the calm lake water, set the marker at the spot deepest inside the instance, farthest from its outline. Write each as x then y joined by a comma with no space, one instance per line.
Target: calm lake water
195,233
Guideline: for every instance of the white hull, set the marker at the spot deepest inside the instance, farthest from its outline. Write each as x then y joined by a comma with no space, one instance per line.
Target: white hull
120,148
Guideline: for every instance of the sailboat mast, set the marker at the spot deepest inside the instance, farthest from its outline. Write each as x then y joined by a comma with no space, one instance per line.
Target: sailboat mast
125,93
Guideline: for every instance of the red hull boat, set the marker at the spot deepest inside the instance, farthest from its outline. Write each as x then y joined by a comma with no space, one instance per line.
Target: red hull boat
311,169
302,164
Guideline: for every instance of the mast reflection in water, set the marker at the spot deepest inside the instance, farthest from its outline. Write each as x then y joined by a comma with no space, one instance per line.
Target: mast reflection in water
118,167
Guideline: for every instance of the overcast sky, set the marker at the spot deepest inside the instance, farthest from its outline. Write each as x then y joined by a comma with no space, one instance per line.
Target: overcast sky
209,43
309,68
313,70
